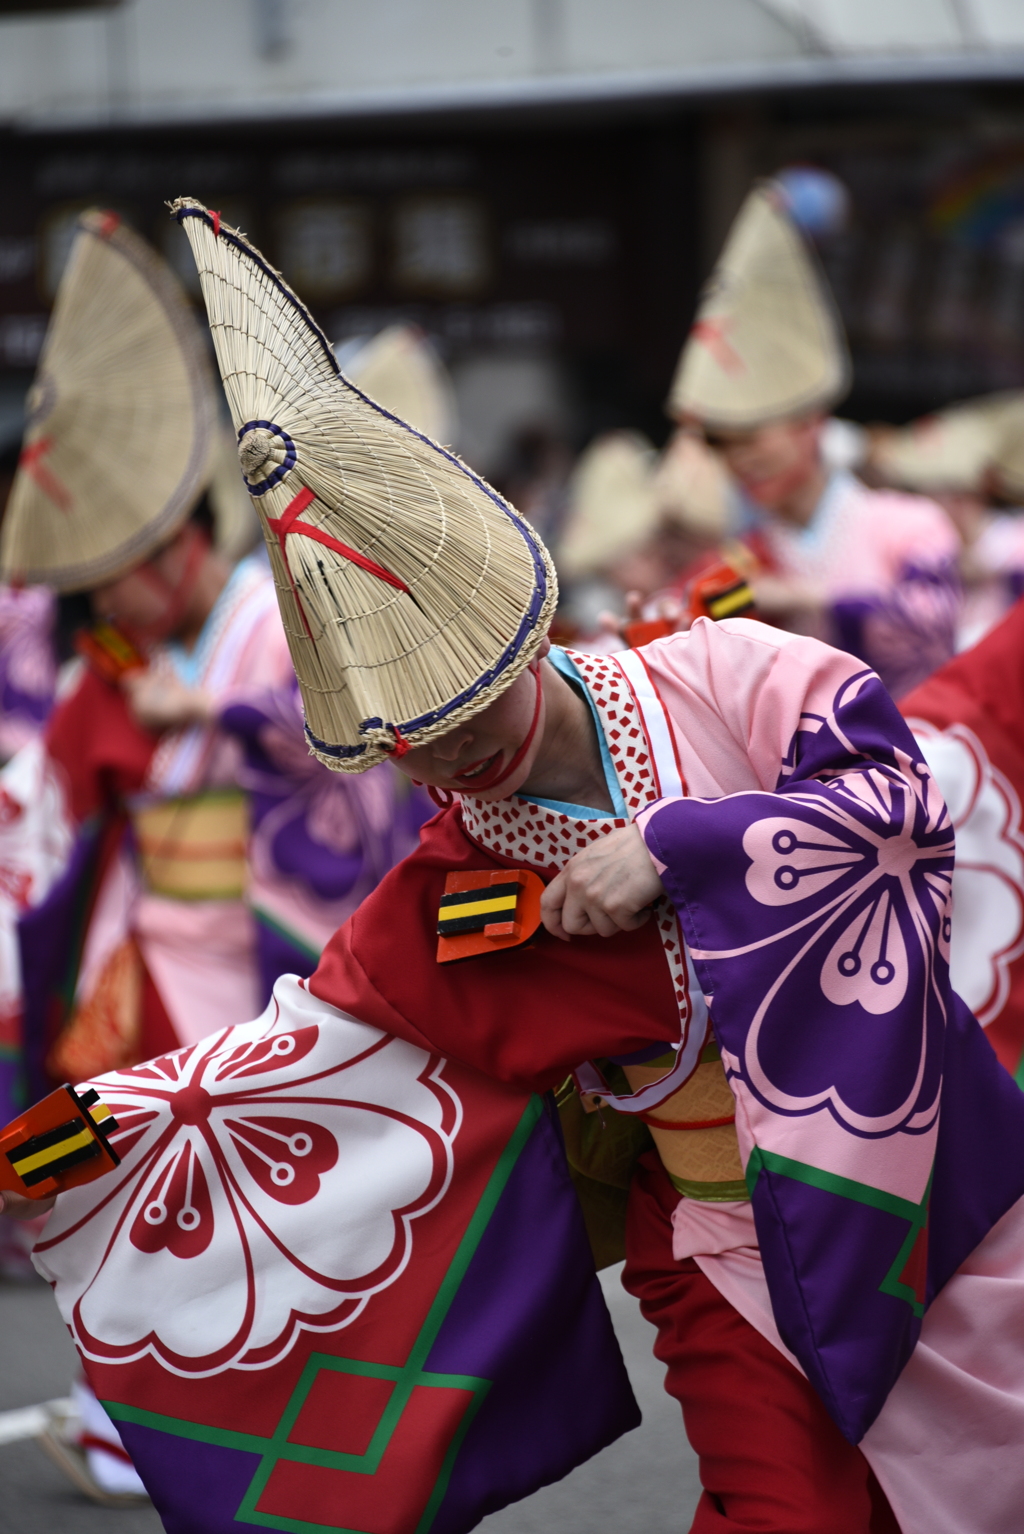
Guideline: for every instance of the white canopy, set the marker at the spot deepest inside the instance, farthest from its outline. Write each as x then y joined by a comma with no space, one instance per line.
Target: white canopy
140,62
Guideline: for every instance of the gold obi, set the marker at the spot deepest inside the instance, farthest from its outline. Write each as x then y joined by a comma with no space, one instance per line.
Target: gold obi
697,1145
194,848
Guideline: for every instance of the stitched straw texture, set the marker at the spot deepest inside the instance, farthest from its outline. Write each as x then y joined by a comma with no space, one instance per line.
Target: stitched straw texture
121,416
412,594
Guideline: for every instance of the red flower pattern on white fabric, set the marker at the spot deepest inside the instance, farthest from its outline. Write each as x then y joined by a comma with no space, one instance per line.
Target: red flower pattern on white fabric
232,1151
988,881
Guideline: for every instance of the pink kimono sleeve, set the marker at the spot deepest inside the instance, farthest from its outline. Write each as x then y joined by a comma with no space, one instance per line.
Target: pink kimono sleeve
810,866
736,693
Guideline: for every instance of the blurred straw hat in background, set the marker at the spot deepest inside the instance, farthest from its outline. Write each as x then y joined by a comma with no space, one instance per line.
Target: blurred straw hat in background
952,450
400,369
612,505
767,342
121,418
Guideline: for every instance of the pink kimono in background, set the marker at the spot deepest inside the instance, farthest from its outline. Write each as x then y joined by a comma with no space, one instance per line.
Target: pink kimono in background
240,856
200,953
886,563
28,665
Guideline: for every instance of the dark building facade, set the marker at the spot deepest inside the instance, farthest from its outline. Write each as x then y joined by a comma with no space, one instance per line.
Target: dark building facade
578,236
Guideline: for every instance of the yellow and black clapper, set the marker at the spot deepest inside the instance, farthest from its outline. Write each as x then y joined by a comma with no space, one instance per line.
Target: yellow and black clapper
737,600
720,593
486,910
61,1142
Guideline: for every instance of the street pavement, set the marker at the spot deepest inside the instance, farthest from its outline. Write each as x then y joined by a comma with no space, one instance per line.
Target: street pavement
645,1484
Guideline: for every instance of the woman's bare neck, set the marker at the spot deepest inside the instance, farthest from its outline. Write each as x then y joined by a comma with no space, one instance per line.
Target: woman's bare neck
568,766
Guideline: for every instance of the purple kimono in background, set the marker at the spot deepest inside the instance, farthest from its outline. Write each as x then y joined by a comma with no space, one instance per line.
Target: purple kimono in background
321,841
881,1137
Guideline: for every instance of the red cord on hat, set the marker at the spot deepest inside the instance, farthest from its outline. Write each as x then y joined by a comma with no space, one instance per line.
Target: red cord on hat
288,522
31,460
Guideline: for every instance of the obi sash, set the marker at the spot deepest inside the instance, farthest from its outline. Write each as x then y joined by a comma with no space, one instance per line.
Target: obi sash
193,847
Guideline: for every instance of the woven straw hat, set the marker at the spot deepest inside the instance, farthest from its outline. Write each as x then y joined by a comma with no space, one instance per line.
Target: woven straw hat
236,527
411,593
952,450
121,416
612,507
767,342
1007,462
693,489
401,371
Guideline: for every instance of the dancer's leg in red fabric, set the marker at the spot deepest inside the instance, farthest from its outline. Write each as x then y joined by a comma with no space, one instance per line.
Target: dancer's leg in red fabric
771,1458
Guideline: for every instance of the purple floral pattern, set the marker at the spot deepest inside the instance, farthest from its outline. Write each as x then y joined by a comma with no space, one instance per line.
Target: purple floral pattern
878,870
881,1137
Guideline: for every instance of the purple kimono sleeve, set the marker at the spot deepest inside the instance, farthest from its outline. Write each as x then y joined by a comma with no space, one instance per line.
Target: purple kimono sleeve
907,632
883,1139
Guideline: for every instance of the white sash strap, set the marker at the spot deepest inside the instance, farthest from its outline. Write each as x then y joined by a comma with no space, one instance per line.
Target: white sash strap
591,1083
656,723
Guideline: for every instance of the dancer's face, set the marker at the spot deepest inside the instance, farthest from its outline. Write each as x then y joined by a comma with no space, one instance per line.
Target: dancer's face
492,755
770,462
150,601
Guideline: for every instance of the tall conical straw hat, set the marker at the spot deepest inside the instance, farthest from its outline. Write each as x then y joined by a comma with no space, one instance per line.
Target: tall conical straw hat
692,487
767,342
236,527
121,417
401,371
951,450
411,593
1007,462
612,507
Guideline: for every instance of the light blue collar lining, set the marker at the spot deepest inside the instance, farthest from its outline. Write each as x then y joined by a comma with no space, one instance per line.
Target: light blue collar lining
563,664
810,537
191,664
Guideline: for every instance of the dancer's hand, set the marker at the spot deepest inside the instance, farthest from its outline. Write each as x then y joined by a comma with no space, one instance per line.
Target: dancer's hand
161,701
606,888
16,1207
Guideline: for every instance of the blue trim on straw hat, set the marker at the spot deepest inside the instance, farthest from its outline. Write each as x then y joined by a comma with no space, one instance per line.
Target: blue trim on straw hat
508,655
277,474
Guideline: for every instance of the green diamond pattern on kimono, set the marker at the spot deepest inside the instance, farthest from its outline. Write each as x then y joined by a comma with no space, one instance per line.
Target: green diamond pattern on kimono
336,1283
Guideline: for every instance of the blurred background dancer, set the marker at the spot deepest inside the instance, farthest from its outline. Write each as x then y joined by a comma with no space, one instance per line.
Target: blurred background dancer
176,845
